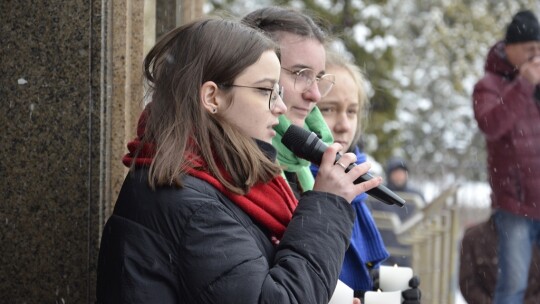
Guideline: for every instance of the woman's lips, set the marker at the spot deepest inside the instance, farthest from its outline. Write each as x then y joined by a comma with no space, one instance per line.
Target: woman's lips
342,142
301,110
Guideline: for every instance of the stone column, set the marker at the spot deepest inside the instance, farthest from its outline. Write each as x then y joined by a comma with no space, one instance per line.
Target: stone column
190,10
70,88
71,92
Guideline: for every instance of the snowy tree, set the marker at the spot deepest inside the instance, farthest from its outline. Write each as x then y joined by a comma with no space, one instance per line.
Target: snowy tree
440,55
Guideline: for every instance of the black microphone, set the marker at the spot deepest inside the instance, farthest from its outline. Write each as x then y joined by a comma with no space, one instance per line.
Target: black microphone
308,146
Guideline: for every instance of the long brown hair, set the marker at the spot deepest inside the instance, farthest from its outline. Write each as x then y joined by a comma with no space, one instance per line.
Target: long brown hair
209,49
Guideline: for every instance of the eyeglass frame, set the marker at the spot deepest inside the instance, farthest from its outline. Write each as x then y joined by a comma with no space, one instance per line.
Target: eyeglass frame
271,103
310,83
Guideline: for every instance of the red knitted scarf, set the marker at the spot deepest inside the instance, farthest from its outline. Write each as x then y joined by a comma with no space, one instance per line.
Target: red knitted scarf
270,204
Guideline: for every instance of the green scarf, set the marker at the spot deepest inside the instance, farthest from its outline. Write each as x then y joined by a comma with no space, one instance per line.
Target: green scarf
314,122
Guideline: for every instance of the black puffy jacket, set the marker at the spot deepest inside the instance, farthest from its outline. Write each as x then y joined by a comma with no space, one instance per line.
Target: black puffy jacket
193,245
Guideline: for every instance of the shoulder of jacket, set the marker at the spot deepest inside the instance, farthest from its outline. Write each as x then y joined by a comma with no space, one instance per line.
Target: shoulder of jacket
491,79
211,194
194,184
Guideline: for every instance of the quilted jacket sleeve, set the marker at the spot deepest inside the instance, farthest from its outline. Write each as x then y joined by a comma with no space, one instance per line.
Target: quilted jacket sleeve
223,263
187,246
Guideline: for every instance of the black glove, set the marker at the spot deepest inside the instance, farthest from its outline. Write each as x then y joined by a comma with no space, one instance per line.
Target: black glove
412,295
374,273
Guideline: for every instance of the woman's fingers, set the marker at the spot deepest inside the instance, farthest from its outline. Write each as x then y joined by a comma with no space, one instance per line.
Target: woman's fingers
335,176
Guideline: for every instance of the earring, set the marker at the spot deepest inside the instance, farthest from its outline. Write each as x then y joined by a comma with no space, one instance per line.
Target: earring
214,111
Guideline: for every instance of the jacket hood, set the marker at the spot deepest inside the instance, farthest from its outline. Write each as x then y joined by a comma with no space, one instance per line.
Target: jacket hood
498,63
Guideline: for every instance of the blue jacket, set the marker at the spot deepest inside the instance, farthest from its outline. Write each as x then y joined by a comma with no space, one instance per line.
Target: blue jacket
366,247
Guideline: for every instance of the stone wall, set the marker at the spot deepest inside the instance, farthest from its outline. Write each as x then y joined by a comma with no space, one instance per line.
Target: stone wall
70,95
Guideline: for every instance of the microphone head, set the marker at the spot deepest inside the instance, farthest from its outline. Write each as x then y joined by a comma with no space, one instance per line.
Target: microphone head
304,144
307,145
295,137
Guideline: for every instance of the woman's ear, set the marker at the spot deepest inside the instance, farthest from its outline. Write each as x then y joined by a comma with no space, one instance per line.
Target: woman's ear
211,98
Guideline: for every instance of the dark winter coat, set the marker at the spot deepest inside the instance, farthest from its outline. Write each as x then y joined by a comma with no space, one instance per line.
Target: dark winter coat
508,115
193,245
478,266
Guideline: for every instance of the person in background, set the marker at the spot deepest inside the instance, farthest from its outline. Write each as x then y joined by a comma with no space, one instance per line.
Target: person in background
397,175
397,179
302,40
204,215
478,266
345,111
507,109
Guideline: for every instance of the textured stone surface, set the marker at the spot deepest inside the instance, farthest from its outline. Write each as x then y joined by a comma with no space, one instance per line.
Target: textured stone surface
49,165
70,95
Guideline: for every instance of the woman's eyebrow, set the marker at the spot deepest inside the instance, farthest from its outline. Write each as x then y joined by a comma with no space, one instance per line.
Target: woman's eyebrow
299,67
272,81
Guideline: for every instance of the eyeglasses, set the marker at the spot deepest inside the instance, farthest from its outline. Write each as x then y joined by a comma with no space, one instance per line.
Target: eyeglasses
305,77
275,92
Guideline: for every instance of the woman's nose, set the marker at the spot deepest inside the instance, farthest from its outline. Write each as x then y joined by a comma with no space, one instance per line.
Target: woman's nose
342,124
280,107
312,92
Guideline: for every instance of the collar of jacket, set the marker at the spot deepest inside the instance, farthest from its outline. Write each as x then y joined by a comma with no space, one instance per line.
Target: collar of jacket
267,149
497,62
